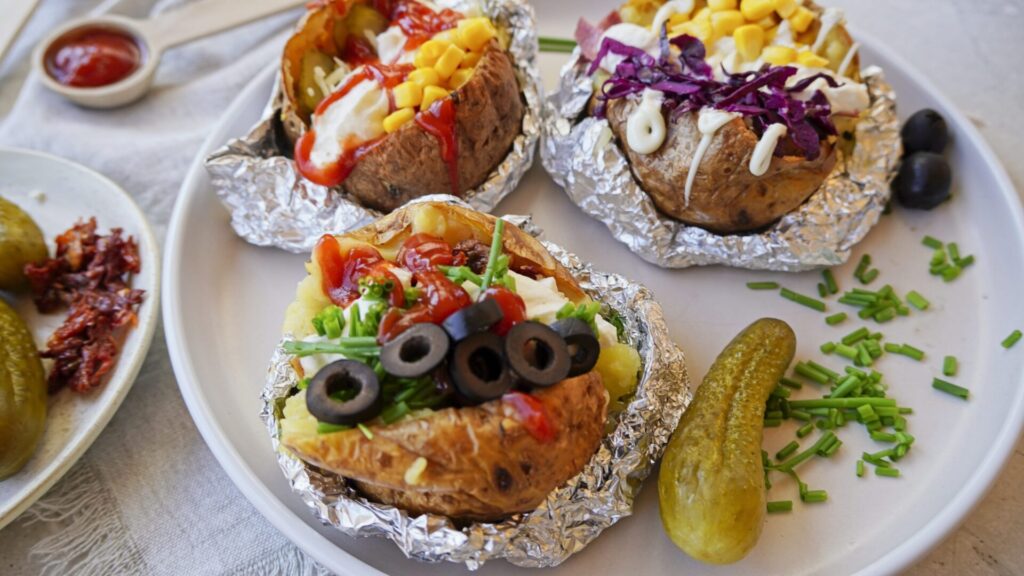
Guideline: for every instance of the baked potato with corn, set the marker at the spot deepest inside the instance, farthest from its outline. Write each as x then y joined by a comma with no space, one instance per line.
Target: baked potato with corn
394,99
717,161
471,461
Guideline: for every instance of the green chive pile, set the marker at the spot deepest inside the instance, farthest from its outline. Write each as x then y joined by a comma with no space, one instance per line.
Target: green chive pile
946,259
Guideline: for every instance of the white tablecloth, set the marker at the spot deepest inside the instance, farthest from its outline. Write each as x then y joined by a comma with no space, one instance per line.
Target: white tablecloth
149,498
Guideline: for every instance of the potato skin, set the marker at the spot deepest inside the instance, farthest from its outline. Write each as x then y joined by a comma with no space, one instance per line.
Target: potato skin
407,164
482,463
726,197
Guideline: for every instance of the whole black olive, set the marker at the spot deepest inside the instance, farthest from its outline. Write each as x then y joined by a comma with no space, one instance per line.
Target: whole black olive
478,369
416,351
583,345
344,392
474,318
537,354
923,181
925,131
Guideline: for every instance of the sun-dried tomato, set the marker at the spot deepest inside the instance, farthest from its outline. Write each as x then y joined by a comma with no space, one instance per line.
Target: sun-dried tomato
90,274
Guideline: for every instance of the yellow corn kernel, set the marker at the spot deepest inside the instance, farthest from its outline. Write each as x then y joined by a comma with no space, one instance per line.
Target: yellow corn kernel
471,60
767,23
677,19
449,36
459,78
429,52
425,77
720,5
801,19
474,33
778,55
703,15
398,118
700,30
811,60
785,8
449,62
754,10
408,94
432,94
726,22
749,41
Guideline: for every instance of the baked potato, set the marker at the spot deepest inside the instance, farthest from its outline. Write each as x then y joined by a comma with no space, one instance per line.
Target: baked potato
448,110
739,48
471,459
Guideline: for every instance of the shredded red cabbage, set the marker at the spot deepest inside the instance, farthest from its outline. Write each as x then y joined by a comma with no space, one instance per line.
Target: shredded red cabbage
689,85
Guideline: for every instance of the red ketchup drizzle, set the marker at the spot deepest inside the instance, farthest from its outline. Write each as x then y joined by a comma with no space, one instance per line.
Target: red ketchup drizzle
439,299
420,23
512,307
422,252
341,273
92,57
335,173
532,415
439,122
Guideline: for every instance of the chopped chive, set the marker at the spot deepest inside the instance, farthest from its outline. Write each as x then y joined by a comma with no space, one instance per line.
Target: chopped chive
918,301
781,392
845,351
763,285
805,429
869,276
787,450
800,415
780,506
910,351
845,387
822,290
949,366
835,318
893,348
842,402
953,250
950,388
814,496
884,437
492,257
830,281
856,336
862,266
828,347
965,261
938,258
860,468
326,428
801,299
788,383
863,356
1012,339
810,373
950,273
366,431
884,316
887,472
931,242
772,423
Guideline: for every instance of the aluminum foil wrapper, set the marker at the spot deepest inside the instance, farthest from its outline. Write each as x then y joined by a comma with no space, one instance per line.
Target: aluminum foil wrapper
271,204
581,154
573,515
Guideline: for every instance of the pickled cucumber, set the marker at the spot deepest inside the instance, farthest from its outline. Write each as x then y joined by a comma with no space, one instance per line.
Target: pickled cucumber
314,63
22,393
21,243
711,485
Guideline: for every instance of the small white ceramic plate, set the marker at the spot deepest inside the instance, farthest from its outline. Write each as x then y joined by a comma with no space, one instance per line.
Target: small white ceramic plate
56,193
221,332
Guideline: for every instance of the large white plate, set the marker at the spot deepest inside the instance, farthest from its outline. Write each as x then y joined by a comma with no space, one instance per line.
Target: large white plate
70,192
221,332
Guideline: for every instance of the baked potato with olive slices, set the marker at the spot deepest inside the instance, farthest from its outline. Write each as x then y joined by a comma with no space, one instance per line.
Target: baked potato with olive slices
725,197
409,162
470,462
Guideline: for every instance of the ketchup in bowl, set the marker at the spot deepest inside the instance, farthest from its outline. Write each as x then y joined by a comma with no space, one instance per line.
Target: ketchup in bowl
92,57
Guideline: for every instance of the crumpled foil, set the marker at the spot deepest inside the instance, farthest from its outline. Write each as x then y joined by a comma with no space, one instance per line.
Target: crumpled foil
581,155
573,515
271,204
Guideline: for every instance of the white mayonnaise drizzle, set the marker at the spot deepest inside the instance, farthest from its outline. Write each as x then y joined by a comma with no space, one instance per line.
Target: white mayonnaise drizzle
765,149
848,59
668,10
850,97
630,35
829,19
709,121
645,128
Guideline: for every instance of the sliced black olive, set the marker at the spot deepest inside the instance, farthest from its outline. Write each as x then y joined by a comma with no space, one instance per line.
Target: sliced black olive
416,351
537,354
925,131
478,369
344,392
923,180
583,345
474,318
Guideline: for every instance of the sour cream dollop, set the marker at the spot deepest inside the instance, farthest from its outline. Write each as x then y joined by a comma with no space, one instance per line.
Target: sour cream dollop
355,118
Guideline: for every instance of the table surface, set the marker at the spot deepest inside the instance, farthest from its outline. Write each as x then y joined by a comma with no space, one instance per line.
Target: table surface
967,49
